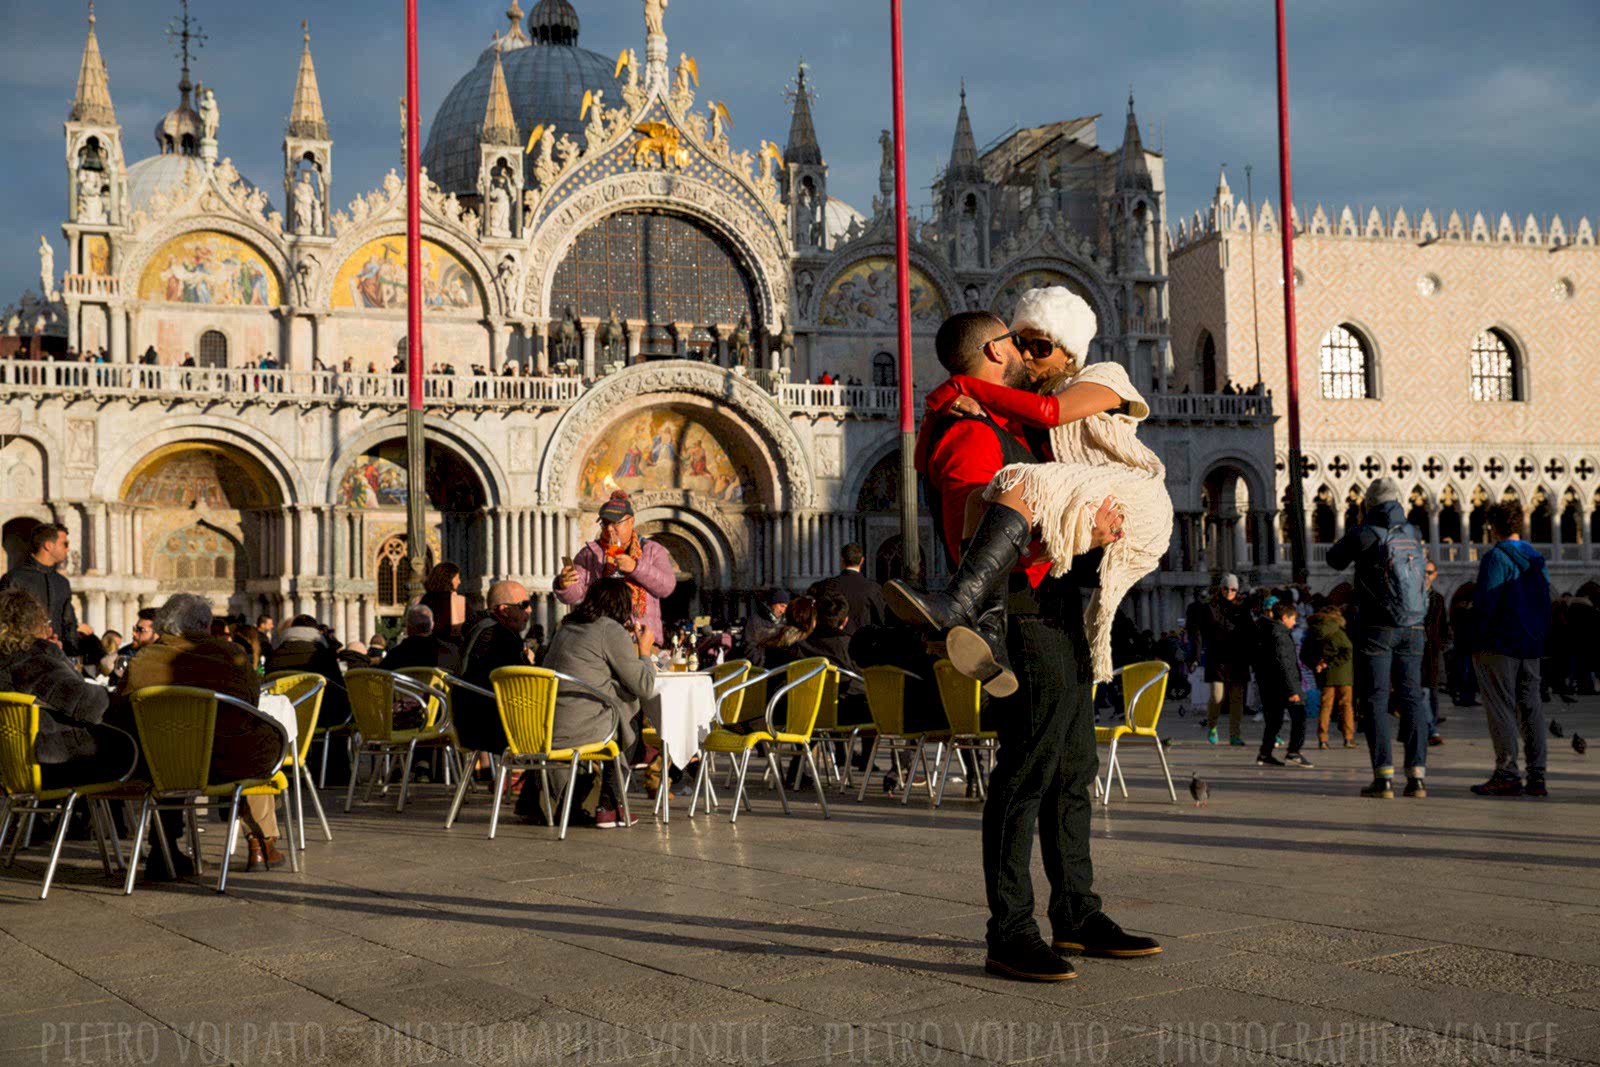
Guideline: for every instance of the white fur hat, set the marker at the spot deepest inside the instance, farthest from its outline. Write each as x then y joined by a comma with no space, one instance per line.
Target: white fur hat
1061,315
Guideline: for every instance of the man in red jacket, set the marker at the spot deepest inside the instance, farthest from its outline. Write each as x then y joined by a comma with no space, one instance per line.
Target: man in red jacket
1047,756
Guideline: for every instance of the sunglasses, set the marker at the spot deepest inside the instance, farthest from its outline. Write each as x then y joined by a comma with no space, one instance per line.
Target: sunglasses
523,606
1033,347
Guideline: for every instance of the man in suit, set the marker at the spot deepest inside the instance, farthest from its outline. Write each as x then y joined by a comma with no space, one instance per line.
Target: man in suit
39,574
864,595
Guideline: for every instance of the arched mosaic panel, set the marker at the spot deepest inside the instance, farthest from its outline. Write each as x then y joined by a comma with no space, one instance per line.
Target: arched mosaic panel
665,449
206,267
864,297
1006,297
375,277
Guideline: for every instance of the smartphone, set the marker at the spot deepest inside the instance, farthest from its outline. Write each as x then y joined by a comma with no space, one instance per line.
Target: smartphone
566,561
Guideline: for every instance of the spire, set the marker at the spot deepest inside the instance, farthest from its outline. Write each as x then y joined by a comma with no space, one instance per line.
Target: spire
305,115
964,151
514,37
92,102
553,22
1222,183
1132,169
802,147
499,123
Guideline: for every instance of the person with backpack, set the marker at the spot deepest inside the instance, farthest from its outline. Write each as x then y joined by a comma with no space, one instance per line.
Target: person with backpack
1510,621
1392,603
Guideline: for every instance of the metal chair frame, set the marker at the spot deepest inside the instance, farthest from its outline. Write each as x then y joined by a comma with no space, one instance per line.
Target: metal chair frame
30,803
186,799
980,743
302,752
895,744
375,747
540,762
1128,708
771,748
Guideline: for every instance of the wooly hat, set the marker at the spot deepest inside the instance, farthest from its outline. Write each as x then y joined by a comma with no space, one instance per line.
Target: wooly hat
616,509
1060,314
1382,491
1228,581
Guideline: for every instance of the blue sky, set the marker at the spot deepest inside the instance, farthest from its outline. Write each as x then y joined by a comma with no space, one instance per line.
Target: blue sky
1449,104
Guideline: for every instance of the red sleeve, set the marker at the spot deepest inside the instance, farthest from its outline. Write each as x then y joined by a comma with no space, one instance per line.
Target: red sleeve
964,461
1019,404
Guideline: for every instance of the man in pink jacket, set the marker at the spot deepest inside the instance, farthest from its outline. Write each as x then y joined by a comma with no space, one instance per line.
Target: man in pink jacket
620,551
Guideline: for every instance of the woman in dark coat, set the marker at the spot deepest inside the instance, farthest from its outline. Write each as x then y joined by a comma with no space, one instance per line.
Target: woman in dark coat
74,747
303,648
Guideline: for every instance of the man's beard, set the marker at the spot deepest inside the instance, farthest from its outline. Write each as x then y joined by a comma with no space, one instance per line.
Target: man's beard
1016,376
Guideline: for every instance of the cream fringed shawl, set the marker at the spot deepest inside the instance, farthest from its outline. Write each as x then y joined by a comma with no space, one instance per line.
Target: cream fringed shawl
1097,457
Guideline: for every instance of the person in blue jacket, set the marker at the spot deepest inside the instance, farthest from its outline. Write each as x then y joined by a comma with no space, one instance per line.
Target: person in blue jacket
1510,621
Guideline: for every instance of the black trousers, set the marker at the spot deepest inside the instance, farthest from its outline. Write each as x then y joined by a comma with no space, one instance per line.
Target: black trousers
1042,772
1272,713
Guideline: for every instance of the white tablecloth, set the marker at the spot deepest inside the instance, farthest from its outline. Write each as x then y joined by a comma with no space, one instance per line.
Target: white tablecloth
681,711
280,709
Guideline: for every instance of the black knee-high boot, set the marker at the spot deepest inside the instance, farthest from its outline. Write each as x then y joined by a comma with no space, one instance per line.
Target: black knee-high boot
1001,539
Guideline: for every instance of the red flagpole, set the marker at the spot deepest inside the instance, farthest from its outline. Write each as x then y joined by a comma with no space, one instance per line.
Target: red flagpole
1297,504
416,471
910,541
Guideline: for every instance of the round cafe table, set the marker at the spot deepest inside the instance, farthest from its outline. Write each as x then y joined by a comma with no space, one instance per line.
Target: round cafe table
682,711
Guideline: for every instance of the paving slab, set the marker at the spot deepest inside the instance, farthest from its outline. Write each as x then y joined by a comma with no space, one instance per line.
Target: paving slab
1300,924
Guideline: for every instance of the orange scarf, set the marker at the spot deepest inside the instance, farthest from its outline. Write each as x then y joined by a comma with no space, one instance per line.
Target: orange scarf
635,551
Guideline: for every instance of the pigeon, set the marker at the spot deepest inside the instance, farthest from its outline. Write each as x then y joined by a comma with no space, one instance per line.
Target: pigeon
1579,745
1200,789
1555,728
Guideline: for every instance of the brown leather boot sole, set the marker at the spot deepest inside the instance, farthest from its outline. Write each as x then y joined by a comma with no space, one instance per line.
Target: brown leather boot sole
970,654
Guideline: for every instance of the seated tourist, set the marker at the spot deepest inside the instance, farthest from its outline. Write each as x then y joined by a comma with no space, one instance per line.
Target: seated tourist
245,745
302,647
831,640
421,646
73,747
599,644
492,641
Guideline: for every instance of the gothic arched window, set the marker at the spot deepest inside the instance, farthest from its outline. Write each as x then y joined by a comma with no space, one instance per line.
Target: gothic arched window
1496,366
213,349
391,571
1345,359
884,371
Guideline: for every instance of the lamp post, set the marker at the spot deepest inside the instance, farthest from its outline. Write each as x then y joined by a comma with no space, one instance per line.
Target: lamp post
416,473
910,542
1297,503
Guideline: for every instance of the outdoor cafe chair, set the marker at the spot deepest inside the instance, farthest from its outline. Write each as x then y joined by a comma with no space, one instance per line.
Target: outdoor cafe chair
886,699
177,727
374,694
803,688
304,691
962,698
23,795
527,701
1144,690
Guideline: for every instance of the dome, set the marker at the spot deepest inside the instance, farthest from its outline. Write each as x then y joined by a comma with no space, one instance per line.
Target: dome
164,174
837,217
546,83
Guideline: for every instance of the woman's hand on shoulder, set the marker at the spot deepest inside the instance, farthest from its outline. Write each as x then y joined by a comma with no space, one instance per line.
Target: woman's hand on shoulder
966,407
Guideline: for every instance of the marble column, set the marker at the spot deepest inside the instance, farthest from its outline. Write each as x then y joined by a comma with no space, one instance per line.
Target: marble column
119,333
635,330
588,326
1433,530
96,556
538,336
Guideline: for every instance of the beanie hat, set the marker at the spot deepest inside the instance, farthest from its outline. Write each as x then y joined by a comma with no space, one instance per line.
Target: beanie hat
1060,314
1228,581
616,509
1382,491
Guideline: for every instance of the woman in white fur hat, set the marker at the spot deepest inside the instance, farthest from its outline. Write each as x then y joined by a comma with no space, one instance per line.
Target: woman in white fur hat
1092,412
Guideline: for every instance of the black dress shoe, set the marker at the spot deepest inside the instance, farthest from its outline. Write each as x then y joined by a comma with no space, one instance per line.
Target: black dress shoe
1099,936
1029,961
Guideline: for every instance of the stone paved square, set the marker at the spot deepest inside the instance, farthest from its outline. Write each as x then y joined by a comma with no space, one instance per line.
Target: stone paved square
1301,924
